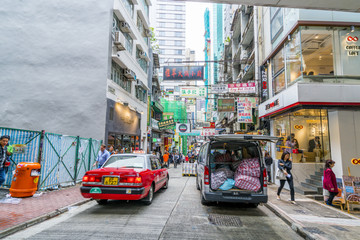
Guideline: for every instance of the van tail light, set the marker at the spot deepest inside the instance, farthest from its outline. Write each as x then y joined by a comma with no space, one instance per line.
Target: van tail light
265,177
206,175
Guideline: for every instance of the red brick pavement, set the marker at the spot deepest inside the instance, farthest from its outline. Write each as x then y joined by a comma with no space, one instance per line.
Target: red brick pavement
33,207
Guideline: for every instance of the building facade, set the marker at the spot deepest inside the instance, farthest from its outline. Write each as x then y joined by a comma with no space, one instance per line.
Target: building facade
309,86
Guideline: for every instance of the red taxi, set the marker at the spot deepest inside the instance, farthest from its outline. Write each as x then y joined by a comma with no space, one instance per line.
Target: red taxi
125,177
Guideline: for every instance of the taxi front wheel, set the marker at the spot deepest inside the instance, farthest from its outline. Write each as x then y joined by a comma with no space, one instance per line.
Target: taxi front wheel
102,201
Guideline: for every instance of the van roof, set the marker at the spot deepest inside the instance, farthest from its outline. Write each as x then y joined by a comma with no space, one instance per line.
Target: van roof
245,137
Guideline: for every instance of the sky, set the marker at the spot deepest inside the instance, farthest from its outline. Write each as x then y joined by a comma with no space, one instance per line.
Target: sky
195,27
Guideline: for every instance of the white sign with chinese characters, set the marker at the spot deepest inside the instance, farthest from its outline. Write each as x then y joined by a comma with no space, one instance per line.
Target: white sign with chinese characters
208,132
219,88
242,87
192,92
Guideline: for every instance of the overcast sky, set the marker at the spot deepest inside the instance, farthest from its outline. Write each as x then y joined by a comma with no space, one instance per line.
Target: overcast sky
195,27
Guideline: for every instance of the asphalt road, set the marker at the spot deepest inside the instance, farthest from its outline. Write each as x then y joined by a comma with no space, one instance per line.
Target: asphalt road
176,213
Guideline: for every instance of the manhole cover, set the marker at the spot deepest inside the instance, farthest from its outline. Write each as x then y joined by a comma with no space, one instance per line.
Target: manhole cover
300,211
314,230
339,228
221,220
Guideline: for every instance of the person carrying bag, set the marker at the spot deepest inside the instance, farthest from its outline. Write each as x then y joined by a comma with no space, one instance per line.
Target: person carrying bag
284,168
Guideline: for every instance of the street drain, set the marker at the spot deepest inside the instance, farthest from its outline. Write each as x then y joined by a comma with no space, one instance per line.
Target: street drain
314,230
220,220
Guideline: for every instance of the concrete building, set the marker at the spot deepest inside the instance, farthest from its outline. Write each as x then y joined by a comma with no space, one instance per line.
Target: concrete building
169,21
85,65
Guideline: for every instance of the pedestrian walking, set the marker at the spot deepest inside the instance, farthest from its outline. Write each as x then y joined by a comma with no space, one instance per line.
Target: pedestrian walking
268,163
103,155
176,160
171,158
4,140
166,159
329,182
285,166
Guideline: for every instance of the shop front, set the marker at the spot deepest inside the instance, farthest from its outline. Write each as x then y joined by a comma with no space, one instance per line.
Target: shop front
123,127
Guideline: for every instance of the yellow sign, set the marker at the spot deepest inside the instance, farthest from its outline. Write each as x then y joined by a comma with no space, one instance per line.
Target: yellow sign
355,161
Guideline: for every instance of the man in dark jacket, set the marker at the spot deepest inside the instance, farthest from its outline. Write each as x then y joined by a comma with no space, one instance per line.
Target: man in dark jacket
268,163
3,156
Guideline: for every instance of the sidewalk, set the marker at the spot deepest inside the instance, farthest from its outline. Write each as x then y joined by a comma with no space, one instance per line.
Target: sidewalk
32,210
312,219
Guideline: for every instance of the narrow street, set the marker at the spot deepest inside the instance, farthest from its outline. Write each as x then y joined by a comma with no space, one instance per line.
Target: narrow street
176,213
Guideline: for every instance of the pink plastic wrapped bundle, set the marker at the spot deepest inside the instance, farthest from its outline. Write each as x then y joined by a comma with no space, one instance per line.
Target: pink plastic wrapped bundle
223,158
227,171
217,179
249,167
247,183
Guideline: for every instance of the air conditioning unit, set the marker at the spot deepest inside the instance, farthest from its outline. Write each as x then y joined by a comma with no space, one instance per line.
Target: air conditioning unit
129,74
125,27
142,54
147,33
119,41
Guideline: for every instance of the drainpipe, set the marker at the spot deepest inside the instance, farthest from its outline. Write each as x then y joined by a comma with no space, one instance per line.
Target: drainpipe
256,51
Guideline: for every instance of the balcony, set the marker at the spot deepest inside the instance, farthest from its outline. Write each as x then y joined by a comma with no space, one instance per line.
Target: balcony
248,34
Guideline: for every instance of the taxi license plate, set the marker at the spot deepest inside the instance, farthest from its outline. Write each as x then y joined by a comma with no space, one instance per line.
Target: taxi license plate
111,180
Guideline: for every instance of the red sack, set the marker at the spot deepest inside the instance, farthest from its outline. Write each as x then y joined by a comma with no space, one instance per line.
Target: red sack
249,167
247,183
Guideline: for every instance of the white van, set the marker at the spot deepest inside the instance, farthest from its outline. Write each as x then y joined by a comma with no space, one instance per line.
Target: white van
231,154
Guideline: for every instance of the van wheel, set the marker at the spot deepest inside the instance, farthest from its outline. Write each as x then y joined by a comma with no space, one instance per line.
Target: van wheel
148,199
102,201
203,201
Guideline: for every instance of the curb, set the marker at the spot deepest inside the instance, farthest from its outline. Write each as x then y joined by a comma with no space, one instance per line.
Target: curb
289,221
40,219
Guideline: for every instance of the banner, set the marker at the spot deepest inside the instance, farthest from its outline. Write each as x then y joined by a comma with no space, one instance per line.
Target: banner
192,92
226,105
242,87
244,109
183,73
167,124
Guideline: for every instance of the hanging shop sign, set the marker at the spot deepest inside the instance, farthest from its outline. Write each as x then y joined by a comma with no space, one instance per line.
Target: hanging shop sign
168,115
192,133
242,87
264,87
208,132
244,109
192,92
219,88
226,105
167,124
183,73
183,127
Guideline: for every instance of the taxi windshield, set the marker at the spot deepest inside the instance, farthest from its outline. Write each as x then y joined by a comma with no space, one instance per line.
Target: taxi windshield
125,162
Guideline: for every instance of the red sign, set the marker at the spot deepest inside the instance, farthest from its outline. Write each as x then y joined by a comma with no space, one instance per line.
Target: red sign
352,39
212,125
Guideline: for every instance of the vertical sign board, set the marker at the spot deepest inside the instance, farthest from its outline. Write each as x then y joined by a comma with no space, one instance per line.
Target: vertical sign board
264,87
183,73
244,109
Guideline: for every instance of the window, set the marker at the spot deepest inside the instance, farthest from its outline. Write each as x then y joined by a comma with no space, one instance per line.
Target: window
162,33
129,6
161,24
117,75
276,23
128,43
179,25
178,52
162,15
111,113
178,60
142,62
141,94
293,58
317,51
162,42
178,34
178,43
278,71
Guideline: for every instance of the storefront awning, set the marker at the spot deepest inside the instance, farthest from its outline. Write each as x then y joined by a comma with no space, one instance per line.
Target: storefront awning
158,107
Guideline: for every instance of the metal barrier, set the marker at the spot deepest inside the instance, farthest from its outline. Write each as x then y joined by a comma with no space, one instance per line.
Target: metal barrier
64,159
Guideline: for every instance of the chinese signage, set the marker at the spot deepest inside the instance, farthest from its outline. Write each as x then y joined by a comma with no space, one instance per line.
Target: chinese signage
192,91
219,88
242,87
167,116
226,105
167,124
183,73
244,109
208,132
